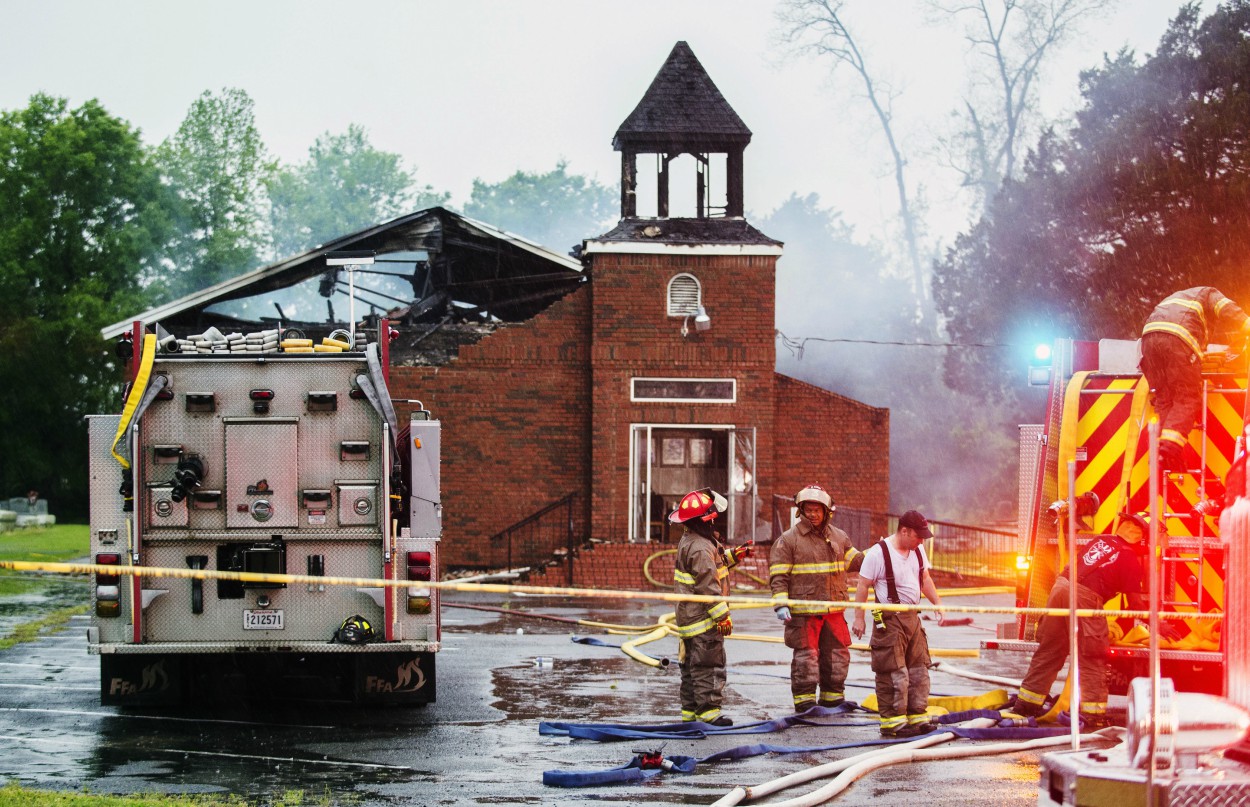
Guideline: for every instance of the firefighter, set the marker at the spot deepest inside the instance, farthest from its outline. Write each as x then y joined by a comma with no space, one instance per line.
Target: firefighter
702,567
1174,339
898,570
809,562
1109,566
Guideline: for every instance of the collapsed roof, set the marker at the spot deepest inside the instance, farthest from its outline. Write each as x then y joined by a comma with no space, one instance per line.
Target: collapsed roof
432,267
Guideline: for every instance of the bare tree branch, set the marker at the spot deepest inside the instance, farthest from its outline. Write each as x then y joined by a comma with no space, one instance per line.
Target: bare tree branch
817,28
1016,37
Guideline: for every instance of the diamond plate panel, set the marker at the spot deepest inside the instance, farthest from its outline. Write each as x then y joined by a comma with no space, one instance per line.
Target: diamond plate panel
262,459
310,613
108,520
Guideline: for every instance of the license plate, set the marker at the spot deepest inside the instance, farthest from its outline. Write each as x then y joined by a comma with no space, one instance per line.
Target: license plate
262,620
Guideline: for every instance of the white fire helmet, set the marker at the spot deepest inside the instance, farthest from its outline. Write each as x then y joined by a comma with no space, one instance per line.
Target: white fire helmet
814,493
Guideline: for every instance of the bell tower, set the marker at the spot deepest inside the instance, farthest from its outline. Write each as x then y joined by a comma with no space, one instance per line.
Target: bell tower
683,112
682,337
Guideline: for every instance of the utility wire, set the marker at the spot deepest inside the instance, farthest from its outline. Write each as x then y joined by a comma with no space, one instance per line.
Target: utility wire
797,346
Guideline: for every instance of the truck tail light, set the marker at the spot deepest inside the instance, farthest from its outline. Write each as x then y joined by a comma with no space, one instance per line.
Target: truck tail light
260,400
107,559
418,605
107,590
419,565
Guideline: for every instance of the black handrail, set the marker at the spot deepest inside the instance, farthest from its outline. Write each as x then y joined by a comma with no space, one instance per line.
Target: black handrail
535,551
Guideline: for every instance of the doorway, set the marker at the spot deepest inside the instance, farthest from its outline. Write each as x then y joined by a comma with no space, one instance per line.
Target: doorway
670,461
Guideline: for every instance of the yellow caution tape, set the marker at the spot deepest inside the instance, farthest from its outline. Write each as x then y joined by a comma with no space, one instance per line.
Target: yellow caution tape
500,588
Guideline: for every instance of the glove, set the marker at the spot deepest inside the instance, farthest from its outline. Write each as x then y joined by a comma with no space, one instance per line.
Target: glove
744,551
725,626
783,612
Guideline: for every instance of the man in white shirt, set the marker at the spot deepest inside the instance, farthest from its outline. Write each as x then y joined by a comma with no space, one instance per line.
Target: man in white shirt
898,570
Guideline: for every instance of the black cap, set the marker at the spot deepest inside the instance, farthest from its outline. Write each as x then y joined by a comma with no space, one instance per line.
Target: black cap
917,522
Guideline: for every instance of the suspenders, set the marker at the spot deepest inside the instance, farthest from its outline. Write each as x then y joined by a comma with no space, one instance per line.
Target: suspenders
889,571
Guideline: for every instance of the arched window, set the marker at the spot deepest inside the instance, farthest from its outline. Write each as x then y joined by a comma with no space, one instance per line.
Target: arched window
684,295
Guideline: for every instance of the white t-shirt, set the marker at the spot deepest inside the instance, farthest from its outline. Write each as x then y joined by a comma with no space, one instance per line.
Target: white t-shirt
906,573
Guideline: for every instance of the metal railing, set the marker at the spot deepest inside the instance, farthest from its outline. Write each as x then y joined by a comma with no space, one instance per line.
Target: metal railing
968,552
538,539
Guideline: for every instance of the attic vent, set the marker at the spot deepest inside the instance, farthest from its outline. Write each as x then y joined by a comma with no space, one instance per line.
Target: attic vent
684,295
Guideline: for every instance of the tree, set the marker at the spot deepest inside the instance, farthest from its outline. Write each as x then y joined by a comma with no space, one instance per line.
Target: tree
1146,195
818,27
216,164
344,185
82,211
556,209
1014,38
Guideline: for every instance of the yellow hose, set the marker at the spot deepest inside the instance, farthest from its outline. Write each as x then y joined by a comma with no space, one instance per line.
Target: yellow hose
630,647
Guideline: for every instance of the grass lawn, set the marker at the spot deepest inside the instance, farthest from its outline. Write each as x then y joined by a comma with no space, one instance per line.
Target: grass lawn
61,542
12,795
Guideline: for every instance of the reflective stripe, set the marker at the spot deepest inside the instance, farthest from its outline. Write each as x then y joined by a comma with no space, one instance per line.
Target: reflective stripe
819,568
890,723
1179,331
722,572
718,611
831,698
801,699
694,629
1031,697
709,715
1094,708
806,608
687,716
683,577
780,568
1173,436
916,720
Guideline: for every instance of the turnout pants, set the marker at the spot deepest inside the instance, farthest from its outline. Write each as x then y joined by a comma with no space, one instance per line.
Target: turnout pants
1053,640
702,662
822,656
1174,372
900,659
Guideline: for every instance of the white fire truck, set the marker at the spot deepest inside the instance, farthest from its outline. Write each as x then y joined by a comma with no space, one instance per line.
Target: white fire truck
250,457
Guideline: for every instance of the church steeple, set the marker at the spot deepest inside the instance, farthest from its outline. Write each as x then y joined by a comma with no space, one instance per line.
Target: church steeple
683,112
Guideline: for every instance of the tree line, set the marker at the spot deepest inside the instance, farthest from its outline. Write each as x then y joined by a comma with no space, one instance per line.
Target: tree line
95,225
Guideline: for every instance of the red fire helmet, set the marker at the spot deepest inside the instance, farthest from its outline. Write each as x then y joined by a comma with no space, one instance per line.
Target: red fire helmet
705,505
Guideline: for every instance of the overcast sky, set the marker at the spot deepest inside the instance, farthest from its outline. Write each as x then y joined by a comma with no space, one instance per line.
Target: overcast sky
466,89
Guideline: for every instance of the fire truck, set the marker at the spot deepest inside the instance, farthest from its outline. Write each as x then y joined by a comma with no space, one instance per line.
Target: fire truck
1097,417
264,456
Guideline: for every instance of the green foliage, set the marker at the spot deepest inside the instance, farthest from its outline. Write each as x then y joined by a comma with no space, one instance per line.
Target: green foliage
56,543
216,165
1148,194
81,212
556,209
345,185
13,795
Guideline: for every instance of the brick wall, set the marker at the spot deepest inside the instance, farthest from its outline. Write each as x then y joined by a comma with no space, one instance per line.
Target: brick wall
516,422
839,443
634,336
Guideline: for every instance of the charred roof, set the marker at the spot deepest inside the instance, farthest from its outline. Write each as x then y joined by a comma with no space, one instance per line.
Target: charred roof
434,269
682,110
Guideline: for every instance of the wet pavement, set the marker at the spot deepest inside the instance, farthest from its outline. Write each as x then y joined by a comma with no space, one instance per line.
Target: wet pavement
479,744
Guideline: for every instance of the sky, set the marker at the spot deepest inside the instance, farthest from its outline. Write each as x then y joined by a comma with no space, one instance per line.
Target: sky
481,88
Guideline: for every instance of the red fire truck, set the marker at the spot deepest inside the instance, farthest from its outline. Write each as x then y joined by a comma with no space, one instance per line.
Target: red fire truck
1097,417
